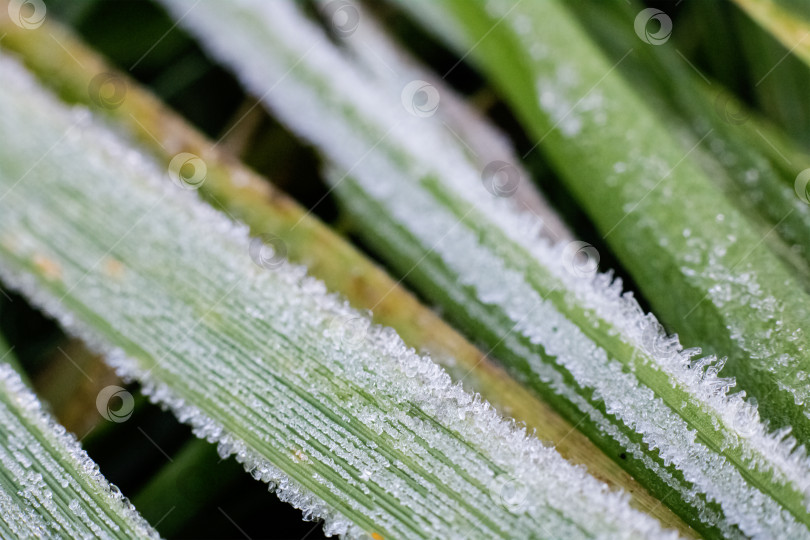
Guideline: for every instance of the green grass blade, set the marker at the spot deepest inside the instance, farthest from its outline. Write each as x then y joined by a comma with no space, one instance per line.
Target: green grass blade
185,486
247,349
463,125
747,159
787,20
9,358
569,333
776,80
49,487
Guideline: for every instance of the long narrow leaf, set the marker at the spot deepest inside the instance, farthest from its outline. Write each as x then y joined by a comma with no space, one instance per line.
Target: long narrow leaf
788,21
747,159
394,69
49,487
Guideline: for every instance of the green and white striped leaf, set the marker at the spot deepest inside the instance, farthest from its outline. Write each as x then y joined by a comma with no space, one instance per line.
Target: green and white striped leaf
49,487
362,432
567,331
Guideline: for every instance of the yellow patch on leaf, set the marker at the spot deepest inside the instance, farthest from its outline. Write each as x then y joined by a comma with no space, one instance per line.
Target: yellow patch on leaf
113,268
49,268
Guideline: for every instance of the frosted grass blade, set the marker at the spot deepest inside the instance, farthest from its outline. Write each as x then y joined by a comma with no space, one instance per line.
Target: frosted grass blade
567,331
49,487
465,126
241,345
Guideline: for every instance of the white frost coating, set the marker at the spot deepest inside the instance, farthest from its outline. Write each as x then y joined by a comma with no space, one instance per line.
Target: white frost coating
725,285
393,68
774,452
625,397
555,380
250,357
47,480
313,97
